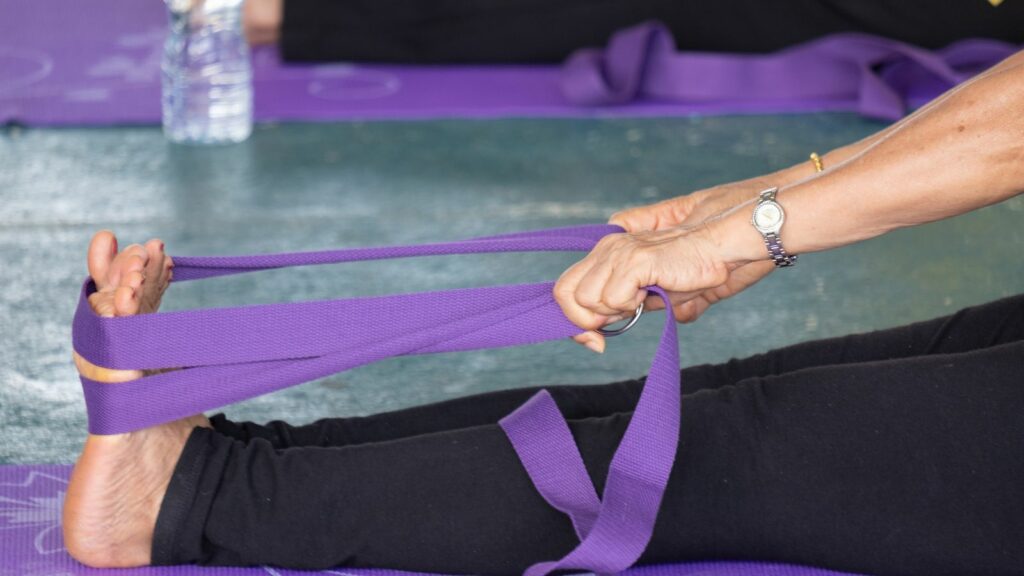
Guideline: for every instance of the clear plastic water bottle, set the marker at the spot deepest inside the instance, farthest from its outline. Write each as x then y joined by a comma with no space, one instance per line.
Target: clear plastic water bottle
207,73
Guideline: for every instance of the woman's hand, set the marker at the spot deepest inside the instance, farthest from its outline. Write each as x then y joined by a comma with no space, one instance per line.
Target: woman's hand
688,212
607,285
696,207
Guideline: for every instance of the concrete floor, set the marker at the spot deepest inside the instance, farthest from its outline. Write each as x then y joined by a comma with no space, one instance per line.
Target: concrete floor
303,187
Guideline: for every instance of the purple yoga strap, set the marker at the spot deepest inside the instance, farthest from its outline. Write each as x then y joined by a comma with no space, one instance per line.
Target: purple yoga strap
230,354
880,75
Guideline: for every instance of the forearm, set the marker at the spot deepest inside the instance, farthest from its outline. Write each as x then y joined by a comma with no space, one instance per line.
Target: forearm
959,154
696,207
840,155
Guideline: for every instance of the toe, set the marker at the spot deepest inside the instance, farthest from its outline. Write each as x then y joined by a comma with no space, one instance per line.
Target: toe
102,303
155,267
131,259
134,279
126,301
169,268
102,250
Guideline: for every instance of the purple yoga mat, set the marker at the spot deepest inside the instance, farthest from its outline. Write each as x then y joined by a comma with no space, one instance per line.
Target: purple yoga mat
31,544
97,62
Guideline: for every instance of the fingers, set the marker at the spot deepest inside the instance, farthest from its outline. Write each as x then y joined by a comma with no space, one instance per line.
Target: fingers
658,216
613,284
608,282
634,219
623,289
582,293
102,249
590,292
565,295
602,285
592,340
690,310
688,307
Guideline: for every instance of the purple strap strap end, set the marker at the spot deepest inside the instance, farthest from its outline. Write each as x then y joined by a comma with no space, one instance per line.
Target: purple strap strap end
877,77
615,530
541,437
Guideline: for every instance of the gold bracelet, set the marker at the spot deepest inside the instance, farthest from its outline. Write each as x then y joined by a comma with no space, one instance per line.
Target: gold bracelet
818,166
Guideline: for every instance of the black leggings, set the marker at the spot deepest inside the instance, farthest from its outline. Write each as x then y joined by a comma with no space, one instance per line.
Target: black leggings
896,452
506,31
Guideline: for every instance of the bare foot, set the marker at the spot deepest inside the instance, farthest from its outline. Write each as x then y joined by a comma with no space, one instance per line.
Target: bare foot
119,481
262,20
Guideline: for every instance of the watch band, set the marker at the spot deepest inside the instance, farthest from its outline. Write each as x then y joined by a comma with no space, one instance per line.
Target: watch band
777,252
772,241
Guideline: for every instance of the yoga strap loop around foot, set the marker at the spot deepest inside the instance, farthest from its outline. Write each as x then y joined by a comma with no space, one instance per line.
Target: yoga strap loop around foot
232,354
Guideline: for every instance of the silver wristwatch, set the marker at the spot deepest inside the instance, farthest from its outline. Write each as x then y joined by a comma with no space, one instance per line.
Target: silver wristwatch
768,218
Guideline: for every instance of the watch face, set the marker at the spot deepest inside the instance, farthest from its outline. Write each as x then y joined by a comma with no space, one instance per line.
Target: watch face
768,217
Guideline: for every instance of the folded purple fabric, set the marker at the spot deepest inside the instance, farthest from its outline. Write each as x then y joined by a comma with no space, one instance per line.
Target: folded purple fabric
874,76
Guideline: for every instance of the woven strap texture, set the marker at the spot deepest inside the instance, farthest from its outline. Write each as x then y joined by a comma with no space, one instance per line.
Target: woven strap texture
881,75
225,355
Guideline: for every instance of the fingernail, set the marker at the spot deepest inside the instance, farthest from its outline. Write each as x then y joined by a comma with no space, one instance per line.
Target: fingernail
161,246
595,346
616,318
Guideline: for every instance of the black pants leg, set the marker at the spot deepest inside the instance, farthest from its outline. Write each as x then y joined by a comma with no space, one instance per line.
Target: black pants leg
500,31
972,328
900,466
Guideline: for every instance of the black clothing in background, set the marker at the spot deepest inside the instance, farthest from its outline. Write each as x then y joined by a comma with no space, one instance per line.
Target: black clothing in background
892,453
535,31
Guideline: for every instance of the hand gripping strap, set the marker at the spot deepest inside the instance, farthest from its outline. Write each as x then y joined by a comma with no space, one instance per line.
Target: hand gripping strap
230,354
879,76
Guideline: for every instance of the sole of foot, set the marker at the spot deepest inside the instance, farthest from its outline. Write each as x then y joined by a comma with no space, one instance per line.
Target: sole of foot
119,481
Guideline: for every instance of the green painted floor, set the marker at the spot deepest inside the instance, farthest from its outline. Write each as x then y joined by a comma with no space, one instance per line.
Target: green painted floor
301,187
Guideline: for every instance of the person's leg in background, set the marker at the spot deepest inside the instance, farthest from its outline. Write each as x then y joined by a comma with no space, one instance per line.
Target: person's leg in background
972,328
906,466
505,31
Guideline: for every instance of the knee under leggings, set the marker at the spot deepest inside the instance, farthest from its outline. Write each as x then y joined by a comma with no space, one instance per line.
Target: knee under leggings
895,452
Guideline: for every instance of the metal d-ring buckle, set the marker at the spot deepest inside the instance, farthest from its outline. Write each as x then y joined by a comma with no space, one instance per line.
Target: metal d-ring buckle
632,321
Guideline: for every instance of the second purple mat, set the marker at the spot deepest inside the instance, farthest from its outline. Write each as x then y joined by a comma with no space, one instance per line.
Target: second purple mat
67,62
